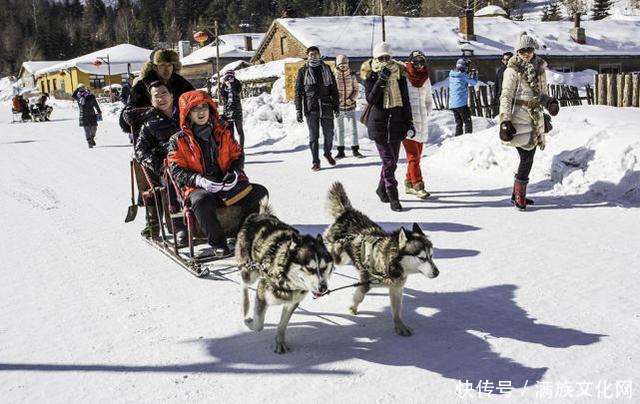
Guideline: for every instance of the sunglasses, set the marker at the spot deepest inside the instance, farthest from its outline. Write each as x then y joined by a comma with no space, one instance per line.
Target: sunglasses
525,50
384,58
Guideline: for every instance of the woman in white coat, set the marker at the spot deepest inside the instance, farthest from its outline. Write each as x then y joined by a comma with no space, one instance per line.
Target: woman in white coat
421,106
524,95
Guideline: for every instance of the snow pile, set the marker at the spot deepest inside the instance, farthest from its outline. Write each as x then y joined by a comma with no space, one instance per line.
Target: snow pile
593,152
578,79
266,70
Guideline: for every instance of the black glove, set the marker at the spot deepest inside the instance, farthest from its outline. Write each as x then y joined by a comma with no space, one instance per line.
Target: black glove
507,130
411,132
384,74
299,117
551,104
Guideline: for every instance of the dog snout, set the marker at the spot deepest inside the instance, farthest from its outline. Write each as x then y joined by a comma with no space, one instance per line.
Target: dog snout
323,288
434,272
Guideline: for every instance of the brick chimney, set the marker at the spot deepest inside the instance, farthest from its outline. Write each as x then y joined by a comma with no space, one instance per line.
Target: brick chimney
466,25
248,43
577,32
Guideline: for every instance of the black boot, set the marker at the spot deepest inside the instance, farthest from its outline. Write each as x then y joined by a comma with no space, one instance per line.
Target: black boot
356,152
340,154
381,191
394,199
182,237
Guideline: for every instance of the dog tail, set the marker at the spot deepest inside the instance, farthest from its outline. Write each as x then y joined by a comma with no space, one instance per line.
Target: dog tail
265,208
338,200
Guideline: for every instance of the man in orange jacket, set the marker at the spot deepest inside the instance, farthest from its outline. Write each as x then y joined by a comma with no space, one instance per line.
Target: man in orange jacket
207,163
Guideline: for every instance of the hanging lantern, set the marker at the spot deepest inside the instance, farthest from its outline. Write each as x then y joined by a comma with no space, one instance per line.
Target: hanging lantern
201,37
97,63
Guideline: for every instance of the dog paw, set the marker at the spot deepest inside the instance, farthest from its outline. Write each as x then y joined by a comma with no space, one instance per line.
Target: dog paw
353,310
281,348
402,330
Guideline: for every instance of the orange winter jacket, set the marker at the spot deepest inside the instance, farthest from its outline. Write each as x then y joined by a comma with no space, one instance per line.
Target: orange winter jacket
185,156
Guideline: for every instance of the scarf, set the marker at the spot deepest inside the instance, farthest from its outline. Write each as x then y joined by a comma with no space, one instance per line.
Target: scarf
392,96
417,77
528,72
310,80
204,134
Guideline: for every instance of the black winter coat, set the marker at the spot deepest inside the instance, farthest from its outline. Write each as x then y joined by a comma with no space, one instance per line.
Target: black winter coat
89,110
387,125
316,99
497,89
152,145
231,99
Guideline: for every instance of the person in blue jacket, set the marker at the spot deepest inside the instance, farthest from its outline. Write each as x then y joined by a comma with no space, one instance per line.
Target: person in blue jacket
459,80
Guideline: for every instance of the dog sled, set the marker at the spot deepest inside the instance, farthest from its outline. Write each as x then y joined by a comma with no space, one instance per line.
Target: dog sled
197,257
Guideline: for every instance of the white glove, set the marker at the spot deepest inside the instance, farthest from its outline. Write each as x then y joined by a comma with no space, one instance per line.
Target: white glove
229,185
207,185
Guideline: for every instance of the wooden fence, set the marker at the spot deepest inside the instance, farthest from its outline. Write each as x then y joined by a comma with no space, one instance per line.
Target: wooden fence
618,90
482,102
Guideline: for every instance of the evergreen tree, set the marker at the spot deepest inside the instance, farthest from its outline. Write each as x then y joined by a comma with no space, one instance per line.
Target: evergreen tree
552,12
601,9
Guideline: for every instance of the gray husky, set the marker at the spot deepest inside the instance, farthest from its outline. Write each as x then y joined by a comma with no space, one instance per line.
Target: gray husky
287,265
381,258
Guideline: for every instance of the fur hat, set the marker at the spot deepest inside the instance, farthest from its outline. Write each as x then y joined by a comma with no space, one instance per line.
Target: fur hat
342,59
525,41
382,49
167,56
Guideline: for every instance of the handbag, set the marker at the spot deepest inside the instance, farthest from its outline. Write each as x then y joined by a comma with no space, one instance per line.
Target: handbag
547,123
365,114
242,188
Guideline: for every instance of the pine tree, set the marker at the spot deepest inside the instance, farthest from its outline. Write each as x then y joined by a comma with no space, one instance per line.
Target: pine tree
601,9
552,12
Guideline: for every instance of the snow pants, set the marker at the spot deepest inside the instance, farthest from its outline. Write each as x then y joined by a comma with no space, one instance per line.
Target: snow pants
389,153
462,116
314,122
90,132
414,154
236,125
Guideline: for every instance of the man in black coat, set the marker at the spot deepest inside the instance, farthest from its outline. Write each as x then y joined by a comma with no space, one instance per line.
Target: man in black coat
231,97
497,88
318,101
90,113
165,66
159,123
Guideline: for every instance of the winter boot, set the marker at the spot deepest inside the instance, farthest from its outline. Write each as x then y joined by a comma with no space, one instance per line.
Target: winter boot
340,154
181,233
152,229
330,159
419,191
408,188
381,191
513,198
394,199
520,194
315,167
222,250
356,152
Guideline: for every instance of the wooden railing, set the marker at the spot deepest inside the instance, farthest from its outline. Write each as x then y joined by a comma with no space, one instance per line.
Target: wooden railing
618,90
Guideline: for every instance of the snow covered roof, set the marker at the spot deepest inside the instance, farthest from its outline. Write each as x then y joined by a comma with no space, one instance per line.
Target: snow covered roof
266,70
490,10
119,57
231,45
32,65
439,36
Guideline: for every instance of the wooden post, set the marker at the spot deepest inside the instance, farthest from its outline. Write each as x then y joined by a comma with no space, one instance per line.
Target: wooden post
619,89
627,91
602,91
635,82
611,90
596,89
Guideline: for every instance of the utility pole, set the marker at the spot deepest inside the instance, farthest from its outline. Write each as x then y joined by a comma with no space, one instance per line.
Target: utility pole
215,28
384,31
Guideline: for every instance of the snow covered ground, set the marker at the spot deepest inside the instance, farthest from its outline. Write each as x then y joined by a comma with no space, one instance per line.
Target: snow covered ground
538,306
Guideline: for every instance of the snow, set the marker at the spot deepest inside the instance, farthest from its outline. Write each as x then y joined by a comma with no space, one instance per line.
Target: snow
7,88
34,65
545,301
620,9
438,36
266,70
490,10
578,79
121,57
231,45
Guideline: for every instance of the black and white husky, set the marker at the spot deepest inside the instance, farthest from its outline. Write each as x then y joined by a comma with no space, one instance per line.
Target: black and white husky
381,258
287,265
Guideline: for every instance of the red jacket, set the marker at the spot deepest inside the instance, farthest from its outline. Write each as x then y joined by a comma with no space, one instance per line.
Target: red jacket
185,156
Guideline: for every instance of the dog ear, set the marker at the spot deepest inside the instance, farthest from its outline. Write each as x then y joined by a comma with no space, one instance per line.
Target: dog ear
417,229
402,237
320,239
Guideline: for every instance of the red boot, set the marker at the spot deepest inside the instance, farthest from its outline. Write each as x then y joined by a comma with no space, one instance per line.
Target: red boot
520,193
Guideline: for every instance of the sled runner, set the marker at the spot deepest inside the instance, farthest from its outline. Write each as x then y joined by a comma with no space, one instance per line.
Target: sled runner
196,256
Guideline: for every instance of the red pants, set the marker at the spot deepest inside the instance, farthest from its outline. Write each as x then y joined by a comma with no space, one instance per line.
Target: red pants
414,151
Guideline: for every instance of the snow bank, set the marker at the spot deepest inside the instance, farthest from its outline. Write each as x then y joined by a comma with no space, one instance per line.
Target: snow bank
593,152
266,70
578,79
6,88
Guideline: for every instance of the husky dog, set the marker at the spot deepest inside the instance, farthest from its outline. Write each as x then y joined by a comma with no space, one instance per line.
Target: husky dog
381,258
287,264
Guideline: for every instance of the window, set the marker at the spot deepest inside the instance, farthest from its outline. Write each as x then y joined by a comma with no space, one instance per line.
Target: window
283,45
96,81
562,69
441,75
610,68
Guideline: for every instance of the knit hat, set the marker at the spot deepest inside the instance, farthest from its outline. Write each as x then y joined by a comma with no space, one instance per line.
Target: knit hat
462,65
342,59
229,74
382,49
525,41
